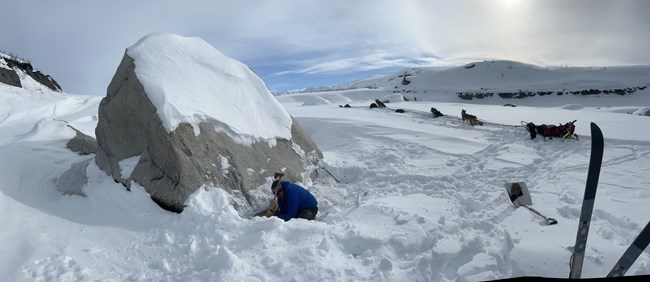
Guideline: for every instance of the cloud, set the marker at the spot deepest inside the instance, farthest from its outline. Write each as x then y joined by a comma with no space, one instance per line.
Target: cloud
80,43
377,61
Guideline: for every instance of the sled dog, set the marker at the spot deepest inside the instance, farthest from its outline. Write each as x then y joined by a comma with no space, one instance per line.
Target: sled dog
470,119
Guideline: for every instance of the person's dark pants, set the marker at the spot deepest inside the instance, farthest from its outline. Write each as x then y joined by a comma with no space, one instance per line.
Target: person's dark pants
308,214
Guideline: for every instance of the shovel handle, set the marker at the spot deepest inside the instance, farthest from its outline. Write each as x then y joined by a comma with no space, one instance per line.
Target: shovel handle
549,221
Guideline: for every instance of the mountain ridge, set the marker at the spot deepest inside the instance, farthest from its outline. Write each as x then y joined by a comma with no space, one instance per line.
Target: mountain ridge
502,75
15,72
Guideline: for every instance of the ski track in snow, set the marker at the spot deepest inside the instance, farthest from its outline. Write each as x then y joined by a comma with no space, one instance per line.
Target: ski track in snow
546,169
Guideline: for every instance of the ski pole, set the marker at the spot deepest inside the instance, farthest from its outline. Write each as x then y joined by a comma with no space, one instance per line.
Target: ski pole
328,172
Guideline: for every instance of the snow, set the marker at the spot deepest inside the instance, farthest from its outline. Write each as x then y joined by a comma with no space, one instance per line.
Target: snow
419,199
187,80
128,165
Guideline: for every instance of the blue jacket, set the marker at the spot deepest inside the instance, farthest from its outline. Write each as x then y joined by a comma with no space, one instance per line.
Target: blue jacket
296,198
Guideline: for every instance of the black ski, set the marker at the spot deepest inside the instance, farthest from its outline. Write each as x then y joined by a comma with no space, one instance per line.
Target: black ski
632,253
595,162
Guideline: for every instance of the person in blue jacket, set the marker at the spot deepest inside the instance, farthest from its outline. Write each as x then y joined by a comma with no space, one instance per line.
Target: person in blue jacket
294,201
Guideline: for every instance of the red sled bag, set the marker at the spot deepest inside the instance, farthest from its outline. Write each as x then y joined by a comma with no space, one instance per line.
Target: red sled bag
563,131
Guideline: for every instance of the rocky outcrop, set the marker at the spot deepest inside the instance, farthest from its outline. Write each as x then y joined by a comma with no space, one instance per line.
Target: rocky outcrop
82,143
172,165
10,76
469,95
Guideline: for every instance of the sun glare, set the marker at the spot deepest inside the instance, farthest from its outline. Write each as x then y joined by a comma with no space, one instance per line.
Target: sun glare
509,4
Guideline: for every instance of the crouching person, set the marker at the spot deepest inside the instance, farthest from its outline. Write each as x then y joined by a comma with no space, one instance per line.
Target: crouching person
293,201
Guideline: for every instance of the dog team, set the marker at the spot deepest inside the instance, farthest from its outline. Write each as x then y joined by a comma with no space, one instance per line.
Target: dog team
467,118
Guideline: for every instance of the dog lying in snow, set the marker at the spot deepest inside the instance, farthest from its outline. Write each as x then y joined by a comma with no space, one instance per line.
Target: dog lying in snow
436,113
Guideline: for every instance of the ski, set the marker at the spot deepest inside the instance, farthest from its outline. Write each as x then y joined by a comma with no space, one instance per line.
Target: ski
632,253
595,162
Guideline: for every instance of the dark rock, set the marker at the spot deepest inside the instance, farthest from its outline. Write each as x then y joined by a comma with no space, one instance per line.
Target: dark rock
82,143
9,77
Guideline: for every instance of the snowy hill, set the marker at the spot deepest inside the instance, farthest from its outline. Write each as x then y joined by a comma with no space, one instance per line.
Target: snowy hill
504,77
417,198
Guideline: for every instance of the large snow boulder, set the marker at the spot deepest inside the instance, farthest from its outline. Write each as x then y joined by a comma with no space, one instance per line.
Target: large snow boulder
179,115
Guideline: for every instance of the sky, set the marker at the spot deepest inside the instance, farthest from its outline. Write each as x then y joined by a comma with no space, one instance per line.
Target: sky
293,44
402,196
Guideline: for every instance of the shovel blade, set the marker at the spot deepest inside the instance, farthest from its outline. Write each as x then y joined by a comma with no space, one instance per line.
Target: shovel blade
518,194
551,221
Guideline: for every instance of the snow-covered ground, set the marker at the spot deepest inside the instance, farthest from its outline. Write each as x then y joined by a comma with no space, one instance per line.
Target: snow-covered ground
419,199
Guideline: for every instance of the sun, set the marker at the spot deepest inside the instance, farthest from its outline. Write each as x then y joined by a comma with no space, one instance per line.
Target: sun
509,4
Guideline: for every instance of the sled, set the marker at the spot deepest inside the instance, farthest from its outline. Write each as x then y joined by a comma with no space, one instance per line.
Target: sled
549,131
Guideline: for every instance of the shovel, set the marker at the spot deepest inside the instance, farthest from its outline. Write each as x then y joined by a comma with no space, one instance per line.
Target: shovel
519,196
